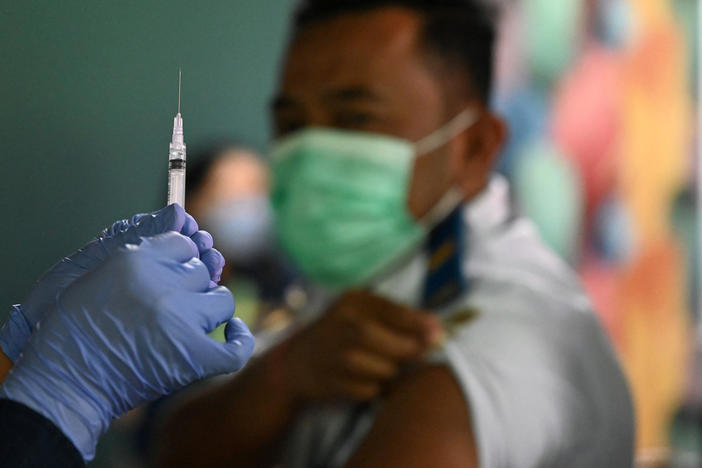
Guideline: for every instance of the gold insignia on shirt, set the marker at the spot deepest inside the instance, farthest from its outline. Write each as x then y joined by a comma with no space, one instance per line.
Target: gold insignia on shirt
453,322
457,319
442,254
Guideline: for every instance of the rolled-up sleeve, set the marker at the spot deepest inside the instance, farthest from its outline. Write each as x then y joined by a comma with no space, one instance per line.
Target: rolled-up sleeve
542,385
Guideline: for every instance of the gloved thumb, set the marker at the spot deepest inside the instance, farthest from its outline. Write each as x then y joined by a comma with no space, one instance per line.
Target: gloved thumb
240,344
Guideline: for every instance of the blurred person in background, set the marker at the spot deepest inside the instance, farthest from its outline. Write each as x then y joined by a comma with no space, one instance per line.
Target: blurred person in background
384,197
227,192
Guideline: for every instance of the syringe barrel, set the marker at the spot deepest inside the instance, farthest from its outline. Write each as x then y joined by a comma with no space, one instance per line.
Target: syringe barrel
176,181
176,174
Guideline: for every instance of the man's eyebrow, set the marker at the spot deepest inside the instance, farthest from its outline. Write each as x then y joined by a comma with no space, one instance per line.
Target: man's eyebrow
351,94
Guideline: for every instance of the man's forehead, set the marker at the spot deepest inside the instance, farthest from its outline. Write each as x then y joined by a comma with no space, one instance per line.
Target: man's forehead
353,46
384,26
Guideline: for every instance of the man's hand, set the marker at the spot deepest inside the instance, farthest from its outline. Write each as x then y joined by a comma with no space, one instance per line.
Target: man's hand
356,347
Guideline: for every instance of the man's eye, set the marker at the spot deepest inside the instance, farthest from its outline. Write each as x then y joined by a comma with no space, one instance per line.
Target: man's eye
353,119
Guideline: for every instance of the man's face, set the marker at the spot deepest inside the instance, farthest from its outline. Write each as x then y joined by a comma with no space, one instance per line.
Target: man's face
368,72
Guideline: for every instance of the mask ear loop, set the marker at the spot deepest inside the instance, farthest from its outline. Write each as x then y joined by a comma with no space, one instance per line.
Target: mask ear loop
446,204
453,196
446,133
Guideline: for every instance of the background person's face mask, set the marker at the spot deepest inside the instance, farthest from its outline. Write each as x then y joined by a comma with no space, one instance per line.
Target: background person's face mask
242,228
340,200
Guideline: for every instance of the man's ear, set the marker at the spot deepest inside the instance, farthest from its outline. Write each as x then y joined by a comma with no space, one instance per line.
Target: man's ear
475,151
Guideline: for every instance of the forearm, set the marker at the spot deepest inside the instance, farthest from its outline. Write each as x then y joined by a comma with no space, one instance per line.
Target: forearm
5,366
242,419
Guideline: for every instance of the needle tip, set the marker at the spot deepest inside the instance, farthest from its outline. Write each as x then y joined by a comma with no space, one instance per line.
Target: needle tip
178,90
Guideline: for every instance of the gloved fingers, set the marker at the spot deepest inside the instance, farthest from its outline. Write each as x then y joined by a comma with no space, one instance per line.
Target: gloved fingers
195,276
203,240
118,226
210,309
122,225
215,262
134,220
169,218
235,353
170,245
190,226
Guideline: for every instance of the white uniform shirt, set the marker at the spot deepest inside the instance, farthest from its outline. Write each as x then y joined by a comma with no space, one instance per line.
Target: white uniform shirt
541,382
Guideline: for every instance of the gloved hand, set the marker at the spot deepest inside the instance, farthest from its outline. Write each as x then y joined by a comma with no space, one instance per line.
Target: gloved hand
16,331
133,329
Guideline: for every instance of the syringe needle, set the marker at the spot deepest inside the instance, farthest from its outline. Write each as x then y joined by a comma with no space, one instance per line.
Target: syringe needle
179,90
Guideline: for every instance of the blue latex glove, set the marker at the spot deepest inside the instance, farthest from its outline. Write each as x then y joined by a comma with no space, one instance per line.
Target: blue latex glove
133,329
16,331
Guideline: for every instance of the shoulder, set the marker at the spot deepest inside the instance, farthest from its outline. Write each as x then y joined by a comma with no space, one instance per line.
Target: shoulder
529,309
540,375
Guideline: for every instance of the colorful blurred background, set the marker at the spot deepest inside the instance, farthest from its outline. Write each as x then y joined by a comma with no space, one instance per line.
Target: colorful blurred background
602,104
601,100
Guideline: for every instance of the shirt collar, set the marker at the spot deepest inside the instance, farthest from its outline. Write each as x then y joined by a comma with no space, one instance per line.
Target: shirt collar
490,208
484,213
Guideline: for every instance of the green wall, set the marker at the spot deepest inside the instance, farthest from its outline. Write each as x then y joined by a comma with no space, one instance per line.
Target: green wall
87,97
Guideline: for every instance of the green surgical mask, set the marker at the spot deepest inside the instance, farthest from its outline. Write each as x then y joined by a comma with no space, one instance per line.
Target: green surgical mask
340,200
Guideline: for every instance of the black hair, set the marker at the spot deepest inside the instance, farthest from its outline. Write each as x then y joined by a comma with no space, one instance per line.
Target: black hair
461,32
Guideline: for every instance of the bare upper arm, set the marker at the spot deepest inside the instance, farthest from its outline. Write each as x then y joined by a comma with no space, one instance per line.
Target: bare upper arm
424,421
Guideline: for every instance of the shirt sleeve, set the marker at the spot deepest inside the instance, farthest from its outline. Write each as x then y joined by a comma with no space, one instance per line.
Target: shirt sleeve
29,440
541,383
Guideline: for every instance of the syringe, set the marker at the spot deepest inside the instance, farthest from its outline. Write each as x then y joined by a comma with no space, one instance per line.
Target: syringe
176,159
